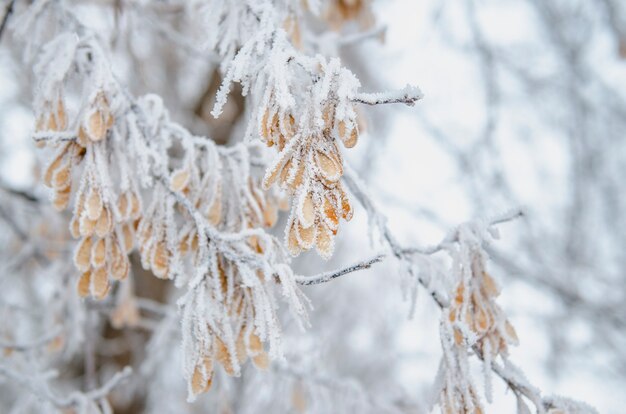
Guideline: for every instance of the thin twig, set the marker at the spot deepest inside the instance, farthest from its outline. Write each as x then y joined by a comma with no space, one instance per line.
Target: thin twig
328,276
41,389
408,96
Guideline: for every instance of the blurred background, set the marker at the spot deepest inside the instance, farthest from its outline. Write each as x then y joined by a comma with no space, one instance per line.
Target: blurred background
525,106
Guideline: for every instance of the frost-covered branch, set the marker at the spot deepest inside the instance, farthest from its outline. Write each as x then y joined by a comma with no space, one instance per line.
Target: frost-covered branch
39,387
408,96
328,276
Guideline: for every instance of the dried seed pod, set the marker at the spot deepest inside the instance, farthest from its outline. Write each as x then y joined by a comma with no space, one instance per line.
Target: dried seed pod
83,284
129,237
202,376
160,260
93,204
86,226
61,200
330,215
293,245
98,253
223,357
489,285
324,242
61,116
241,347
180,180
270,215
120,268
123,206
54,166
82,257
261,361
306,236
306,212
99,283
351,140
104,225
75,227
61,176
328,167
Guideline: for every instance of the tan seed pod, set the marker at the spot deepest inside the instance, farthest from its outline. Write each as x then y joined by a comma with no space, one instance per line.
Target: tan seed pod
61,115
129,237
346,208
489,285
241,347
351,140
83,284
202,382
307,211
272,175
330,214
86,226
329,168
93,204
293,245
75,227
255,344
223,357
81,138
306,236
52,123
61,200
54,166
98,253
120,269
265,133
261,361
96,126
82,257
99,283
179,180
160,260
123,206
270,214
341,129
324,242
104,224
61,177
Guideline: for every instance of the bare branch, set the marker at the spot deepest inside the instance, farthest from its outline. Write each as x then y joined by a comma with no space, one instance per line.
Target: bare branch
408,96
328,276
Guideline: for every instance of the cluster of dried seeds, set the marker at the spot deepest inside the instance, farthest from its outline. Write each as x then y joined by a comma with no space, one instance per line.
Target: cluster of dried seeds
309,167
102,250
474,305
248,344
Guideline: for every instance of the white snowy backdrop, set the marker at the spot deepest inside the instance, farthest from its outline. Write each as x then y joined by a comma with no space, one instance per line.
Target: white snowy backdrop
525,107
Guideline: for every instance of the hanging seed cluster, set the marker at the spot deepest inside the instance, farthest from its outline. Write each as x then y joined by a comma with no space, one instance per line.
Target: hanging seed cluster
231,295
474,305
309,167
473,320
105,231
